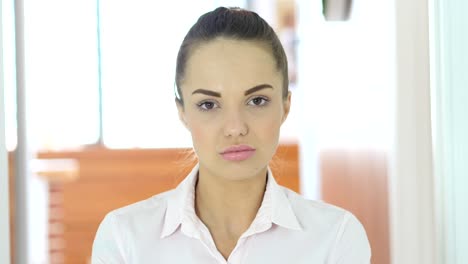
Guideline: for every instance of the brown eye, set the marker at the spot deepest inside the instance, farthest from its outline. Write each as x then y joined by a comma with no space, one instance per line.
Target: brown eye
207,106
258,101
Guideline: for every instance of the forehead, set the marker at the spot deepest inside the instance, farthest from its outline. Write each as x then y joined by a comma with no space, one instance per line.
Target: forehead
222,63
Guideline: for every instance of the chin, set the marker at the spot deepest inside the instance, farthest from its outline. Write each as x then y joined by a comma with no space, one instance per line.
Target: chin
240,170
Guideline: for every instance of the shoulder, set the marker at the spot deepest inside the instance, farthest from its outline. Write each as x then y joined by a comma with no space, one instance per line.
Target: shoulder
123,227
346,234
129,222
138,218
320,216
314,209
152,207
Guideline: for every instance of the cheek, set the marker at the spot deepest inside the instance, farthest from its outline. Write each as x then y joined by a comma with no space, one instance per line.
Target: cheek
198,134
202,134
269,129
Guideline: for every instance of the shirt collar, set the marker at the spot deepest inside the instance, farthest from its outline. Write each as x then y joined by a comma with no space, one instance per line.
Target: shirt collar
275,208
181,199
282,211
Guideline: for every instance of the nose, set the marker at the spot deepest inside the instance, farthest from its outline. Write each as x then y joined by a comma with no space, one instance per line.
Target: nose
235,125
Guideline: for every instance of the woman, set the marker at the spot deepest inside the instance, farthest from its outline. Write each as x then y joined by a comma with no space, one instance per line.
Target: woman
232,95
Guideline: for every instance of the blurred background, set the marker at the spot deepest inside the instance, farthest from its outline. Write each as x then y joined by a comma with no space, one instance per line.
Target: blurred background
378,121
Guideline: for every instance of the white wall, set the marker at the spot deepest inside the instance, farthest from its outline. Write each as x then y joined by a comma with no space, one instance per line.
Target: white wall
381,55
450,130
345,83
31,193
411,181
4,193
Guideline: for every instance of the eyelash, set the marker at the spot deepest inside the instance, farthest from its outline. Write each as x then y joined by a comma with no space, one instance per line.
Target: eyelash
265,101
201,108
201,104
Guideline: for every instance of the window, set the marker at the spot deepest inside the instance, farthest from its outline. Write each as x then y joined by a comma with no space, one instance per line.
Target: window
61,73
8,56
104,68
139,44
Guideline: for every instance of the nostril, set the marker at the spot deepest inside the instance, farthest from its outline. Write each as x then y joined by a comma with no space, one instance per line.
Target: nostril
238,130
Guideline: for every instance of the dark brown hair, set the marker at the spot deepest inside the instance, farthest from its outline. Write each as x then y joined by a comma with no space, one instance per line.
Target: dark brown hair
233,23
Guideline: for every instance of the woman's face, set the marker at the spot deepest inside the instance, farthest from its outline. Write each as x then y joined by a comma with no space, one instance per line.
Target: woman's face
232,94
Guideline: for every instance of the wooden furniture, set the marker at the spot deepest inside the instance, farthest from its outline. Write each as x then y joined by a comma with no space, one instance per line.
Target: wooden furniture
108,179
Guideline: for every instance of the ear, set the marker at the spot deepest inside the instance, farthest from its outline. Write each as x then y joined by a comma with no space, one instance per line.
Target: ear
181,112
286,107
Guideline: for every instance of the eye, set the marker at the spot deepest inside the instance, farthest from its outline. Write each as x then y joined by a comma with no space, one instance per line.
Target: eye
258,101
207,106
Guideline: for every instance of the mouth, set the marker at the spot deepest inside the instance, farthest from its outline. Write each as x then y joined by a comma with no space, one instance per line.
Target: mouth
237,153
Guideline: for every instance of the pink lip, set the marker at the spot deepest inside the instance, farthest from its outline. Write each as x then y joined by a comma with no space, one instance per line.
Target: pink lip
238,153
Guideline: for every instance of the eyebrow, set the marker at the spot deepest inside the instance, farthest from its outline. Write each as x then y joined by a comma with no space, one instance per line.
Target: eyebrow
249,91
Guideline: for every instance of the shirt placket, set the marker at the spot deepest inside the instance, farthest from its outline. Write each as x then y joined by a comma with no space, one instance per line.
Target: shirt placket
209,243
239,251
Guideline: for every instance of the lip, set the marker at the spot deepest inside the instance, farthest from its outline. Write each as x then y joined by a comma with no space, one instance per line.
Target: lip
237,153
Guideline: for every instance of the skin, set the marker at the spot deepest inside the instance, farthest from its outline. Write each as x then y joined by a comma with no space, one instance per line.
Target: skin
229,193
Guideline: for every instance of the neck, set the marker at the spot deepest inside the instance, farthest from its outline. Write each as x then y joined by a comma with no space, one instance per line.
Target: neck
226,204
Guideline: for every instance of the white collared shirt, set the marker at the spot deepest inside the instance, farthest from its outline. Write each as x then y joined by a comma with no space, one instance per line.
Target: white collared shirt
286,229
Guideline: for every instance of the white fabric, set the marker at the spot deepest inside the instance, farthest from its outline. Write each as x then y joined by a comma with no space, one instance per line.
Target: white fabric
287,229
